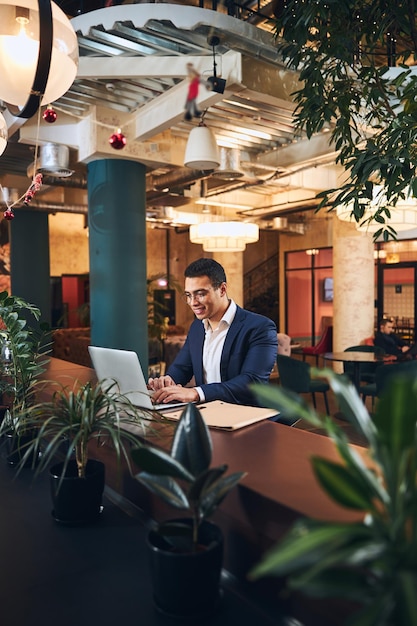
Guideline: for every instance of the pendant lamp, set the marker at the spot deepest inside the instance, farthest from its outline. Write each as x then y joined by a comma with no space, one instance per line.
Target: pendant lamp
38,54
201,152
224,236
403,213
3,134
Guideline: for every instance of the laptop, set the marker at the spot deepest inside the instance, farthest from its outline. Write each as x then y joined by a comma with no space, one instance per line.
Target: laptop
123,366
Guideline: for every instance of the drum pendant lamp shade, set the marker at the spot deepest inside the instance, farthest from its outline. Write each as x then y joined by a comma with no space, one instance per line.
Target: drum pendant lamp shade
201,152
38,54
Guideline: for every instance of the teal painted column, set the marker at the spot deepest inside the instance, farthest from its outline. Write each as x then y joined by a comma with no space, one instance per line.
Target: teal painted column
117,244
29,260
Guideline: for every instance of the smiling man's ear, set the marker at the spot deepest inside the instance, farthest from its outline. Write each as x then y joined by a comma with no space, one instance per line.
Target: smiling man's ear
223,289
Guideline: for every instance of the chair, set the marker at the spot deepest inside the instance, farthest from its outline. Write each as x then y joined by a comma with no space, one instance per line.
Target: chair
295,376
382,376
324,345
367,370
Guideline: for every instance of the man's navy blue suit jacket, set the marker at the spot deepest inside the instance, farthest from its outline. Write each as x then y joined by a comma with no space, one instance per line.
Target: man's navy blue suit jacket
248,356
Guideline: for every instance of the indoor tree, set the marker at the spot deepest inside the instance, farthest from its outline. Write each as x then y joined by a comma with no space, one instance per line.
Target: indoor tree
355,60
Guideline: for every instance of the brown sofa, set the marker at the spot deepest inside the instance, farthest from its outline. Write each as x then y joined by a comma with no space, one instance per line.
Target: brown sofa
71,344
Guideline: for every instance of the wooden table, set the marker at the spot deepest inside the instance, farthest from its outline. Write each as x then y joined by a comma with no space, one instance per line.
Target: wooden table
279,486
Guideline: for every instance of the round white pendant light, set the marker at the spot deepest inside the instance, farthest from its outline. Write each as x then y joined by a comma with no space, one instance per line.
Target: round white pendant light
201,152
38,54
403,216
224,236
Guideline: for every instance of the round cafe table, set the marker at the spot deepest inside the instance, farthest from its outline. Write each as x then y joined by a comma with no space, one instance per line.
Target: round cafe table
355,358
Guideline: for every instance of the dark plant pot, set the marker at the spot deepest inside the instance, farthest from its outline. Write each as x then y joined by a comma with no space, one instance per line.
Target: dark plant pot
77,500
16,446
187,585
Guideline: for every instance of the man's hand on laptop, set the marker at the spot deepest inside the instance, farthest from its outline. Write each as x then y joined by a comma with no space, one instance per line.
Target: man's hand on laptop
160,382
166,390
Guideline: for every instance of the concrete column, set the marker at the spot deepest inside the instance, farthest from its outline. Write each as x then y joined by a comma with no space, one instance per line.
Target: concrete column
233,266
29,260
353,273
117,244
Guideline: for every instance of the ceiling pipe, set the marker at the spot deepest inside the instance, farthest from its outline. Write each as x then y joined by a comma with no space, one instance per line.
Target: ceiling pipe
175,178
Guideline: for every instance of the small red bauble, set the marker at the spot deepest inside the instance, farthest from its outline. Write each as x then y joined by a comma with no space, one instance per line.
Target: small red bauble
117,140
8,214
49,115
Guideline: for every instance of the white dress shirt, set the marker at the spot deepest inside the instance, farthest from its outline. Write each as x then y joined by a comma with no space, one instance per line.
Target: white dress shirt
213,347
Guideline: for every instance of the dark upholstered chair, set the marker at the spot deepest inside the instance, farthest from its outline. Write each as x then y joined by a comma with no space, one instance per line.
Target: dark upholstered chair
367,370
324,345
383,375
295,375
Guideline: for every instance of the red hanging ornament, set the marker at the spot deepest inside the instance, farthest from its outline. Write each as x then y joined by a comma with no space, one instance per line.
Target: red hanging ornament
49,115
117,140
35,186
8,214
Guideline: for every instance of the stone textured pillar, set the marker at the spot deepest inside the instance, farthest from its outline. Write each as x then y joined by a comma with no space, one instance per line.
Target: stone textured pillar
233,266
353,273
117,242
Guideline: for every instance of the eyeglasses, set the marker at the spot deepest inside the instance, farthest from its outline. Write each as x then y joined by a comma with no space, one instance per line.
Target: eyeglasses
200,295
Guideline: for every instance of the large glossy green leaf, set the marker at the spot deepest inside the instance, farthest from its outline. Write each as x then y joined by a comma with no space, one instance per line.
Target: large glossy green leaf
334,582
406,597
155,461
396,415
344,486
204,481
212,496
191,445
286,402
305,544
350,403
165,488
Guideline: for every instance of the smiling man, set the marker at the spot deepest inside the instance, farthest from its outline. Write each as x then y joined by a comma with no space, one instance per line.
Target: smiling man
227,348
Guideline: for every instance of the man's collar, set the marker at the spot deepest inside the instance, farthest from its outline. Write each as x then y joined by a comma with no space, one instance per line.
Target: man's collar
228,315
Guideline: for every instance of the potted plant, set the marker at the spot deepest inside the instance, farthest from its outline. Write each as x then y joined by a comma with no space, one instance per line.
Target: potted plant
64,428
186,554
24,355
371,562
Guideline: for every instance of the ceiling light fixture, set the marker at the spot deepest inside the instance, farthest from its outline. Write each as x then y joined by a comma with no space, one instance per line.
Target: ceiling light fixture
201,152
38,54
403,214
224,236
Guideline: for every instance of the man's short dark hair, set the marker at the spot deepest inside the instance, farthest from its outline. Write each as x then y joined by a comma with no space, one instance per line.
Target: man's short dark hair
206,267
385,320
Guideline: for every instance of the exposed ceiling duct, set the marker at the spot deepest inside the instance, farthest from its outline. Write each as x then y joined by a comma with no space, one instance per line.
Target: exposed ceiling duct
284,225
53,161
176,178
229,164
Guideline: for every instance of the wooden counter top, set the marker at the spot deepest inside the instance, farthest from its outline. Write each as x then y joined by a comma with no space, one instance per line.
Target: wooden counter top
276,457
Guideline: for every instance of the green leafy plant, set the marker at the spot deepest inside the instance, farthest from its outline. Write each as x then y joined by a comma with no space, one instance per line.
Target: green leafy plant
372,562
345,53
24,352
183,477
74,417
